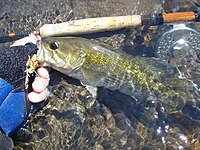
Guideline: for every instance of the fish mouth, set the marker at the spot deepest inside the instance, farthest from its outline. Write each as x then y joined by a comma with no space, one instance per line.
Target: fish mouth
39,52
41,56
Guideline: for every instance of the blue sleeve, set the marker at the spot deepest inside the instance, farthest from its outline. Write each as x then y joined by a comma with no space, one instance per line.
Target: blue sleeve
5,89
12,107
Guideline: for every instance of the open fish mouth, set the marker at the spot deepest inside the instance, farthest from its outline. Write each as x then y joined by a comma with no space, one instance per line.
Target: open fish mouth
41,56
40,51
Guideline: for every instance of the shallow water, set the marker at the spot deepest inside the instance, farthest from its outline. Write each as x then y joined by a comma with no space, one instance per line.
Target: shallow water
73,119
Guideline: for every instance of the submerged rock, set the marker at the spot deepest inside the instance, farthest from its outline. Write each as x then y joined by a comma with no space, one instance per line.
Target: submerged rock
73,119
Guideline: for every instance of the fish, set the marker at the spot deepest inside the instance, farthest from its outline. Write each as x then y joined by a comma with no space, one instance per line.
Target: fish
100,65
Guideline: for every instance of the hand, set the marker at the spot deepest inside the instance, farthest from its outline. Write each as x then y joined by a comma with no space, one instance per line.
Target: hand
41,82
39,86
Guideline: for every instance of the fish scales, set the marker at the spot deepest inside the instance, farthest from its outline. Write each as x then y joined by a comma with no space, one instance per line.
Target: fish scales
117,71
98,65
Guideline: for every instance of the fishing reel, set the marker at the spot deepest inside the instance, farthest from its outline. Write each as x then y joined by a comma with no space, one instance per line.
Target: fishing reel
179,46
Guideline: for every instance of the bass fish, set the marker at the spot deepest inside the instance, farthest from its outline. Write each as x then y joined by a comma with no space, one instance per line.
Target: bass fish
99,65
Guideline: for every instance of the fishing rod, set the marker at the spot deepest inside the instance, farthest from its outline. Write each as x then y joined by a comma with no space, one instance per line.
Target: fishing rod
101,24
12,36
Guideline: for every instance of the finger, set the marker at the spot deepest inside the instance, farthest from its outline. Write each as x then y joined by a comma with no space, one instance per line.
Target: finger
37,97
39,84
43,72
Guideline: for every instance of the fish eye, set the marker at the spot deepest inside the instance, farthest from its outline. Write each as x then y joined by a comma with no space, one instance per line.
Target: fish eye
53,45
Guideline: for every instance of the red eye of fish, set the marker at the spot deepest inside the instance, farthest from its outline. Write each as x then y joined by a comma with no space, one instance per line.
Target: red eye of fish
53,45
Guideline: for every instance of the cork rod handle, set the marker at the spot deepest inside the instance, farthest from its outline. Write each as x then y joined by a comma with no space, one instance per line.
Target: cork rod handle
90,25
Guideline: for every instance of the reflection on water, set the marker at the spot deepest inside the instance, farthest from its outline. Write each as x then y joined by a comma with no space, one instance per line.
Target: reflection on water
73,118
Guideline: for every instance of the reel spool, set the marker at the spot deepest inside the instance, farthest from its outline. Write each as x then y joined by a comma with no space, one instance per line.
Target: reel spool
179,46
